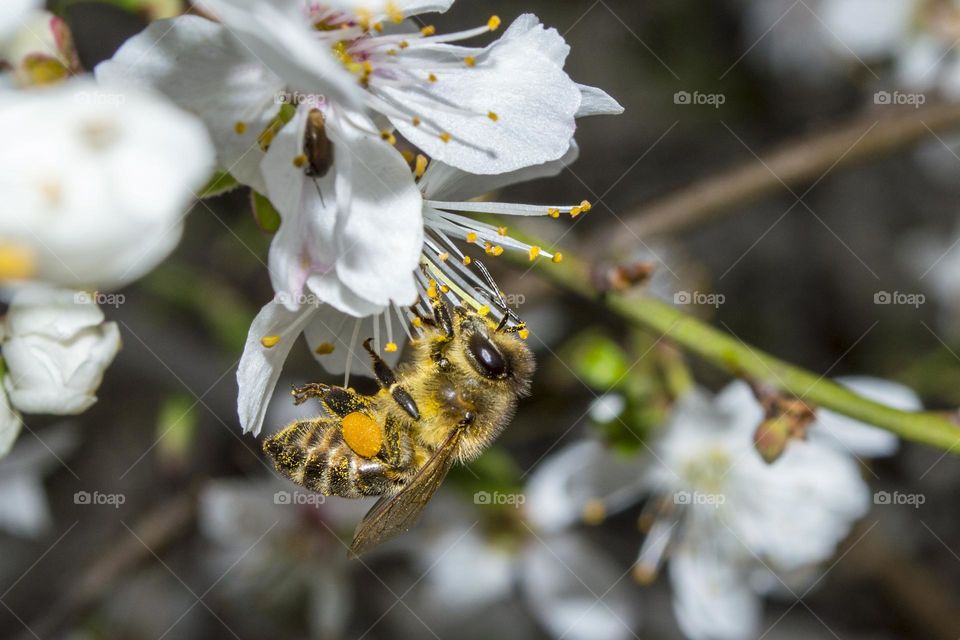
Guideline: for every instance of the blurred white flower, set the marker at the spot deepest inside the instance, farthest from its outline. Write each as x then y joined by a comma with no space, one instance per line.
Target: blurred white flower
569,586
95,182
279,543
23,500
56,346
719,512
41,51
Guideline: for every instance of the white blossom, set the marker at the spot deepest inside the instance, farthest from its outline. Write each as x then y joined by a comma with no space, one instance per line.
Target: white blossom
95,182
56,347
41,51
715,509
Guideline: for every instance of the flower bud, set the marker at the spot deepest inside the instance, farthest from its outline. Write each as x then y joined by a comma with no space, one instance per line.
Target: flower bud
56,346
771,438
41,52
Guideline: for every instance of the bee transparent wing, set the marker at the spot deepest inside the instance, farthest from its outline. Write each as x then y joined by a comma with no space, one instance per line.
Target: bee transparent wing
391,516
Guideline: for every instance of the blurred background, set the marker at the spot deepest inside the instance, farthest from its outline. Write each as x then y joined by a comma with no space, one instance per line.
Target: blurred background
199,539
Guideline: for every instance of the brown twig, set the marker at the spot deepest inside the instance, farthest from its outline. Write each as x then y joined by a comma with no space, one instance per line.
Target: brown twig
156,530
792,164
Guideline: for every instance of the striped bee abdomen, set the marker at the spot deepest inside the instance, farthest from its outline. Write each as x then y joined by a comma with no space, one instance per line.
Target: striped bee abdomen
314,454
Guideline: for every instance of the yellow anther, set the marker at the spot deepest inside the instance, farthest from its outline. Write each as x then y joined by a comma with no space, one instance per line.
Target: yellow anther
324,349
16,263
421,167
240,127
299,161
416,121
417,322
472,236
493,23
643,574
586,206
470,61
444,256
502,231
557,258
394,13
574,212
378,27
444,288
533,253
594,511
404,44
432,289
484,310
493,116
553,212
428,30
498,250
269,341
524,334
467,260
432,77
390,347
389,137
446,137
391,52
407,155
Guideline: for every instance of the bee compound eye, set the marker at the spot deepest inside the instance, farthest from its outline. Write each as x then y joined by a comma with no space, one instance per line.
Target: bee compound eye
490,361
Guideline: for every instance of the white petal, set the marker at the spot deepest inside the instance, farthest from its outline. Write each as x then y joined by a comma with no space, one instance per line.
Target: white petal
852,436
13,14
331,326
711,599
444,182
563,484
380,219
562,579
868,28
277,33
796,511
596,102
198,65
515,78
383,9
305,243
260,366
10,424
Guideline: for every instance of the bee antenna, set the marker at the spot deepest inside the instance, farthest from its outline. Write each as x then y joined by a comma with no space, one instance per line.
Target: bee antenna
508,313
319,193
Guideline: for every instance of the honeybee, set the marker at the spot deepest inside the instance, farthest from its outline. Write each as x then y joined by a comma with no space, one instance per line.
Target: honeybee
448,404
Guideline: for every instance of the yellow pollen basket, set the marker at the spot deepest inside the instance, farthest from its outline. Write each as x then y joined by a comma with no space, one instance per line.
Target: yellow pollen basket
362,434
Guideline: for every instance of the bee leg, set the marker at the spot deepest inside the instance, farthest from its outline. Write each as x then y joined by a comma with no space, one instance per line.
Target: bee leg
441,317
423,319
309,390
388,381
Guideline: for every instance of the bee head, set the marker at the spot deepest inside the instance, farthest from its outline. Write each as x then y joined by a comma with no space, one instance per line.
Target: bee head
500,358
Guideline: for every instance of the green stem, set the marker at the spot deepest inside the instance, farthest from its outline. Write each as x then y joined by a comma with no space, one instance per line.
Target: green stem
742,360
